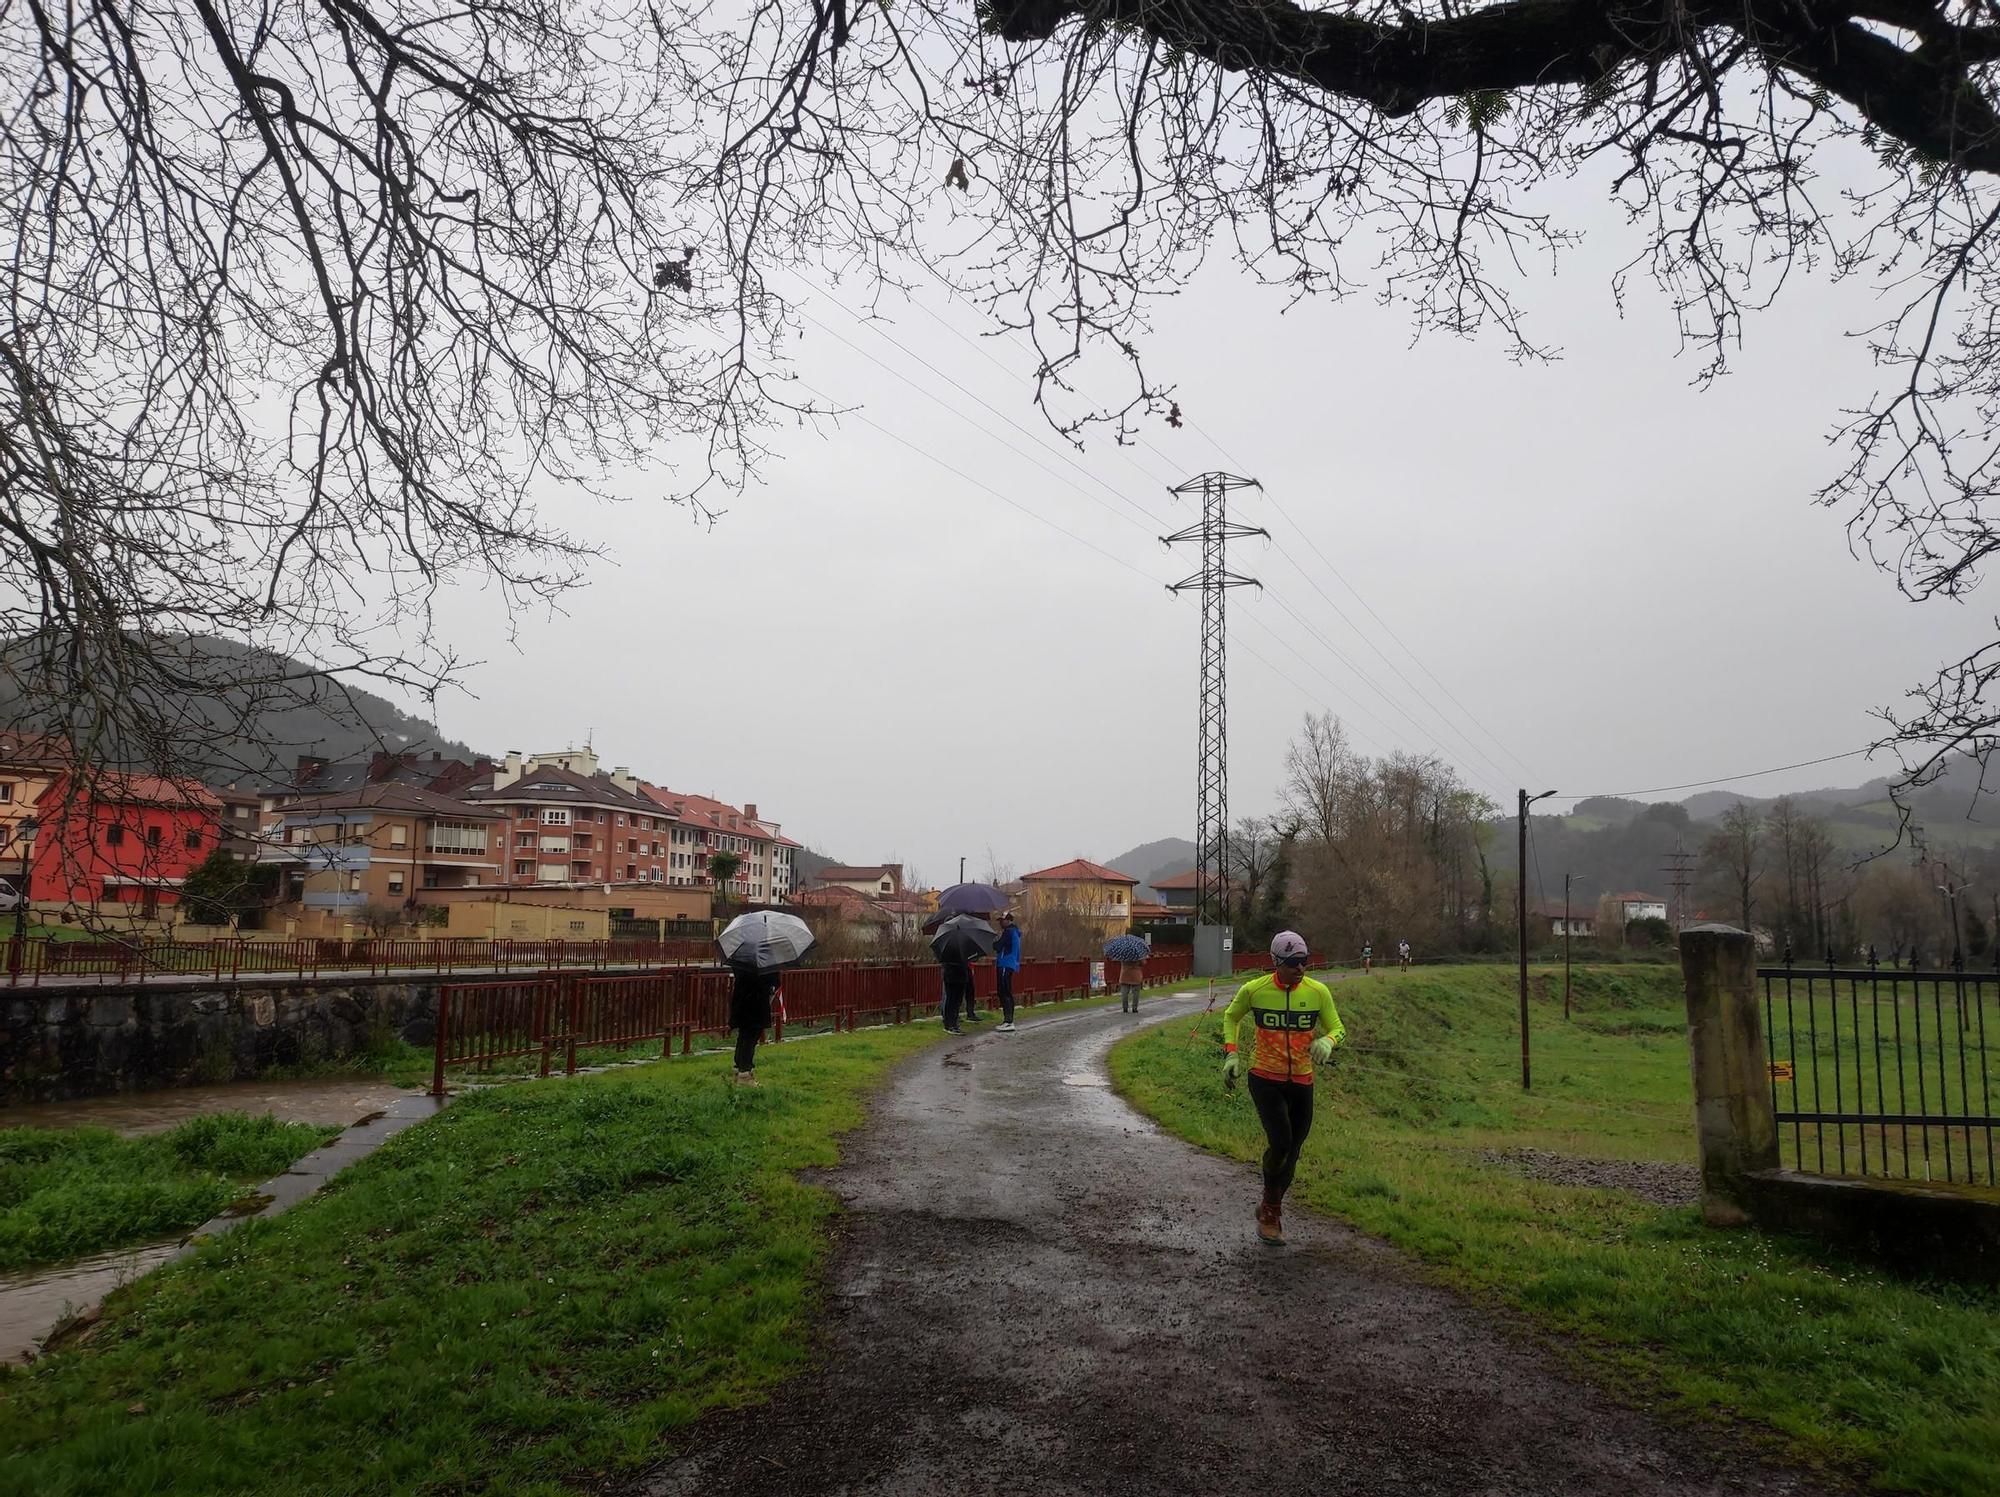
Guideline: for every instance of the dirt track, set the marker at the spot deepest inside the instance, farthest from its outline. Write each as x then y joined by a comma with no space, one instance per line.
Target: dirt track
1036,1291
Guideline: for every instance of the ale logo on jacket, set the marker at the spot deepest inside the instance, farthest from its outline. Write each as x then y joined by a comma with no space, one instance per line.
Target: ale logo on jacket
1278,1018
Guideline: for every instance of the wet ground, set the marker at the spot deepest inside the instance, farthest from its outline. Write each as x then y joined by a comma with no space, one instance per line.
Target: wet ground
37,1301
1038,1292
340,1102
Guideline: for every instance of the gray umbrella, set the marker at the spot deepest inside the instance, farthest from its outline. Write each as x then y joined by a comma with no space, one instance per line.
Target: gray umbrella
764,939
964,938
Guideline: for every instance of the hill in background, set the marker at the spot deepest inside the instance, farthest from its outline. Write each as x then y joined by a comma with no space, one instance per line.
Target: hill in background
1151,860
243,735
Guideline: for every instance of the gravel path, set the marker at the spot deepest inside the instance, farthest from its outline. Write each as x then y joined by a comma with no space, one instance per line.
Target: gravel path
1661,1184
1037,1291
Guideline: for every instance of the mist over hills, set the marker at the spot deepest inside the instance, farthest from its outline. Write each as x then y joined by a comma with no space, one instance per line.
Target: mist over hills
1615,846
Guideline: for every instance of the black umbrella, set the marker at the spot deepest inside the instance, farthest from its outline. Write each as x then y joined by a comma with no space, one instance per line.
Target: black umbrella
973,899
964,938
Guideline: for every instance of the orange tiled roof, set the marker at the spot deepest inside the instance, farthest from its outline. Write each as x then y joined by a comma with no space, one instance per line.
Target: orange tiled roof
1078,870
114,788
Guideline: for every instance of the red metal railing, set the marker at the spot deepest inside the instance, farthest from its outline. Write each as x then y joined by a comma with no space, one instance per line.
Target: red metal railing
480,1023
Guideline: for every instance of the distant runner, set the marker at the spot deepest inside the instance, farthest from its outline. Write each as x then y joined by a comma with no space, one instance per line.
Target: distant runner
1368,957
1403,955
1297,1028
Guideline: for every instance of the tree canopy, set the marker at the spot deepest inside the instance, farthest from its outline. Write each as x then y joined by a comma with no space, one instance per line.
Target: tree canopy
307,299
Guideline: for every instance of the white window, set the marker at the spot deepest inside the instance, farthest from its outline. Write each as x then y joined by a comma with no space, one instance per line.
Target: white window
396,883
6,792
453,836
399,836
555,844
621,818
554,816
354,883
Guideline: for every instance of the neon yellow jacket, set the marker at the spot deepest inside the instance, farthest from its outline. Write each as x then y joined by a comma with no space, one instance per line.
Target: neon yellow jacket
1286,1025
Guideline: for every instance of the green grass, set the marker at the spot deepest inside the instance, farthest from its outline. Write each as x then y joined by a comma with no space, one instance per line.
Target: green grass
65,1192
1844,1364
530,1289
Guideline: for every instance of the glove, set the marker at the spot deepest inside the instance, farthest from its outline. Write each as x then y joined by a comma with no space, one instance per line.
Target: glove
1232,1067
1322,1050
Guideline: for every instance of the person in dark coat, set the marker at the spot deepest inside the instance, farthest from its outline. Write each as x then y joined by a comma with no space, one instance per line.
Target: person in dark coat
749,1014
957,990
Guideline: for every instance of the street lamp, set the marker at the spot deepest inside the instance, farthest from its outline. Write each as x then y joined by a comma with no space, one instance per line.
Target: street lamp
1521,905
24,833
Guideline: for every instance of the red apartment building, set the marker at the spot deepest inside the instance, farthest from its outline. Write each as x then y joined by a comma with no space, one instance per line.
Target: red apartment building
701,826
118,841
568,822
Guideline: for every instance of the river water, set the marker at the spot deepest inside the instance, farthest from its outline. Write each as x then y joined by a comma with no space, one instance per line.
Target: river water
339,1101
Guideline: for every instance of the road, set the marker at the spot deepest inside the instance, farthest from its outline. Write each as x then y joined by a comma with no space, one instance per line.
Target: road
1037,1291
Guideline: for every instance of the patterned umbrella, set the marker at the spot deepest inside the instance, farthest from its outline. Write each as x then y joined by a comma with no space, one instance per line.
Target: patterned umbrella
764,939
1127,949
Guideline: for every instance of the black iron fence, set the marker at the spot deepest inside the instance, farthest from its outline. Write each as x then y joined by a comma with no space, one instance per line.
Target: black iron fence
1889,1074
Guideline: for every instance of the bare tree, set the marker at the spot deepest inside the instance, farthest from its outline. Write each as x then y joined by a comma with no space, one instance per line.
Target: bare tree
1253,852
303,303
1733,856
1318,764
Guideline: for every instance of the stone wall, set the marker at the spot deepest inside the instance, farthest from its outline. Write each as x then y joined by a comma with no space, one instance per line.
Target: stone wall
57,1044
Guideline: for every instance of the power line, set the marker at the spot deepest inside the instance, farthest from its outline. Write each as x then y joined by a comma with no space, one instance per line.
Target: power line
1356,593
1724,779
939,400
961,474
1424,734
875,326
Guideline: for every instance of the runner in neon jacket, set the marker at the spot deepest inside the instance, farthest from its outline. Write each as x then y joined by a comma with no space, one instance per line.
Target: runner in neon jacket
1297,1027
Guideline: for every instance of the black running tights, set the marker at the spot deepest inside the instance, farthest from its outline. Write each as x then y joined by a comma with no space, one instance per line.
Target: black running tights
1285,1108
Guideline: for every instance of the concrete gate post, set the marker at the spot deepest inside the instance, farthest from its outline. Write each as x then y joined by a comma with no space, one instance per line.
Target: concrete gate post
1734,1123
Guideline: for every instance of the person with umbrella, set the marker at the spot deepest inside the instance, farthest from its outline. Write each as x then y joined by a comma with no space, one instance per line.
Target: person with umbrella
1297,1028
1130,952
981,900
958,942
757,947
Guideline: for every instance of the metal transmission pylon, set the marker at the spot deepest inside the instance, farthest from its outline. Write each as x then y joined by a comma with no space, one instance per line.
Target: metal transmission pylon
1212,766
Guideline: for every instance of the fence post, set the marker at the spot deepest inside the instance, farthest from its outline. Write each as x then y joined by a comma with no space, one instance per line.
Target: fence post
1735,1124
439,1034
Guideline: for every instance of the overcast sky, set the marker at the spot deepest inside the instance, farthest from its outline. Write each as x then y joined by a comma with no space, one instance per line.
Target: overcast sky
1620,578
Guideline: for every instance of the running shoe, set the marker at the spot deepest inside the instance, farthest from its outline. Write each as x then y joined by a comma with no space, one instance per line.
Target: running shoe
1269,1228
953,1029
1007,1028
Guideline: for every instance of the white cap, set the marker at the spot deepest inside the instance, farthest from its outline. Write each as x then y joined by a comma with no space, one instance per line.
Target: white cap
1288,946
